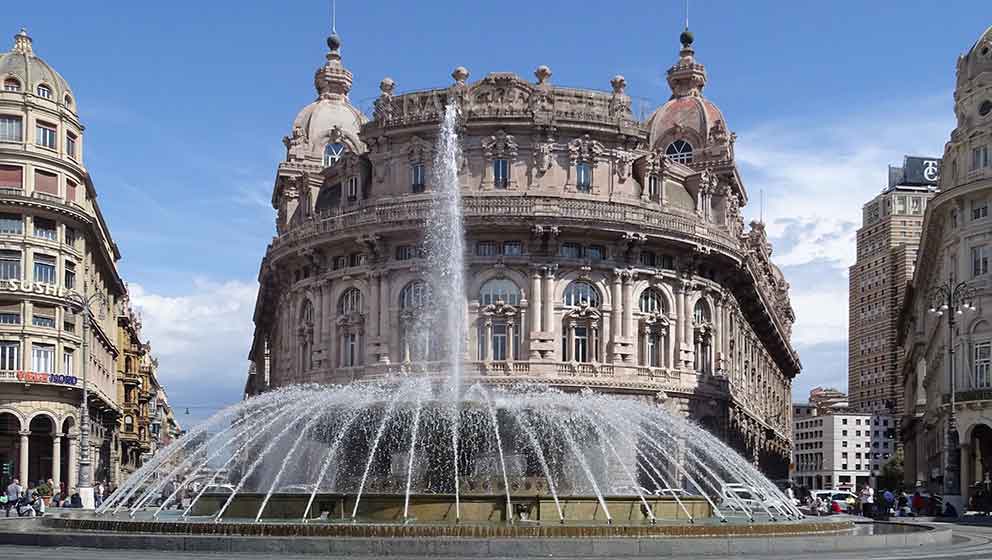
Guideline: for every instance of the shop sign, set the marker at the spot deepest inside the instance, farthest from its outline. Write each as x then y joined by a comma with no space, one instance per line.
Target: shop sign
46,378
16,285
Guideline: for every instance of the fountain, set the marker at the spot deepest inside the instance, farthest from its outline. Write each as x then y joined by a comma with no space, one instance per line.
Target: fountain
427,449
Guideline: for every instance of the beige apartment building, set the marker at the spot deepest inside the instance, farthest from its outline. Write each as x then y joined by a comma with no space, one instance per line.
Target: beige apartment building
888,241
53,241
955,252
602,252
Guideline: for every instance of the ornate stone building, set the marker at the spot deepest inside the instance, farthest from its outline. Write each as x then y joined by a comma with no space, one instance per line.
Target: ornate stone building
956,246
53,241
602,252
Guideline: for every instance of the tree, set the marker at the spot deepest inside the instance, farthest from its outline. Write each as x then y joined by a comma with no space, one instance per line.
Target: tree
891,476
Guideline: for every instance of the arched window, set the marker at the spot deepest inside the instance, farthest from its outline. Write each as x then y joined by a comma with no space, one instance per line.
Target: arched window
680,151
44,91
333,153
417,326
581,293
701,313
655,340
415,294
652,301
350,302
499,289
11,84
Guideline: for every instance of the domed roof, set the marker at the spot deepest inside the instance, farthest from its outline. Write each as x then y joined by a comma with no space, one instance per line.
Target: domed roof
694,114
21,63
687,115
979,58
331,118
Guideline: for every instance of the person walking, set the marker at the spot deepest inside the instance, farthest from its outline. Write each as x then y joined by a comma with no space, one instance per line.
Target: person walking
14,490
867,501
98,494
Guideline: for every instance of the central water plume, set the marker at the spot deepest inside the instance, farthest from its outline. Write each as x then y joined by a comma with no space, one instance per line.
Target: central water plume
445,244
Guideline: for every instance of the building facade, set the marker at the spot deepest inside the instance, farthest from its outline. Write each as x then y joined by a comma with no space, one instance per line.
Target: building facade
840,449
888,241
602,252
955,247
53,241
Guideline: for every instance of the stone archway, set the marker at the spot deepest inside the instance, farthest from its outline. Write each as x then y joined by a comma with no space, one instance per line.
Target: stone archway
41,453
10,428
980,442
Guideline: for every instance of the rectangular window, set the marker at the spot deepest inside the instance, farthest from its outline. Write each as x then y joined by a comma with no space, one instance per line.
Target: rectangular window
46,182
513,248
44,269
43,358
353,188
12,224
43,317
10,355
668,262
486,249
653,190
45,229
70,276
983,365
583,177
979,209
340,262
68,322
10,313
349,349
70,191
406,252
417,178
357,259
648,258
979,157
570,250
980,260
10,265
70,237
501,173
595,252
70,145
45,135
11,177
10,128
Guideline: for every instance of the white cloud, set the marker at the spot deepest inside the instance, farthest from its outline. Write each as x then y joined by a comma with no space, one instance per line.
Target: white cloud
203,335
815,178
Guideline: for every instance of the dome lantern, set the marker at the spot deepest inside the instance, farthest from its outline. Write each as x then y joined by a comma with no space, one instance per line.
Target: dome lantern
22,42
333,80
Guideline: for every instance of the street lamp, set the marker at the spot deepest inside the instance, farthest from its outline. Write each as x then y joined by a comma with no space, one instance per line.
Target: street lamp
90,307
953,300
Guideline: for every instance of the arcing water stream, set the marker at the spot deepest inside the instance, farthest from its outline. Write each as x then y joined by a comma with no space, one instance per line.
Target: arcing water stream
429,435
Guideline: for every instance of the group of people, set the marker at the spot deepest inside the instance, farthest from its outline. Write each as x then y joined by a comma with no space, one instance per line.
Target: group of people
30,502
887,503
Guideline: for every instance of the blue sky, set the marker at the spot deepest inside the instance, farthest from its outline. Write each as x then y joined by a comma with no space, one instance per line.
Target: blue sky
186,103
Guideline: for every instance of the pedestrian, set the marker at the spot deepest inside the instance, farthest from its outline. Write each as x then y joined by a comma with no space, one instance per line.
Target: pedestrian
902,504
13,494
791,494
98,494
889,500
75,500
867,501
917,503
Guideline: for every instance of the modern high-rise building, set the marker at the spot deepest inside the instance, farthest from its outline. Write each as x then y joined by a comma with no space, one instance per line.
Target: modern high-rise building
888,240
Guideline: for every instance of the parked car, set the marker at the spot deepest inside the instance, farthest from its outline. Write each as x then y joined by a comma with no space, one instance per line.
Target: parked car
734,496
847,501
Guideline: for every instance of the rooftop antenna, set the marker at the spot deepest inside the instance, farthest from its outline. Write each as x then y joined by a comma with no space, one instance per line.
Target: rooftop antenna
686,15
334,16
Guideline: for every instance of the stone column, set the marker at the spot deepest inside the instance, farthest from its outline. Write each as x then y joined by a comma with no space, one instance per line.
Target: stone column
488,341
616,331
549,300
510,345
718,336
374,325
966,468
385,332
570,346
628,305
645,347
677,329
23,460
73,466
56,461
534,302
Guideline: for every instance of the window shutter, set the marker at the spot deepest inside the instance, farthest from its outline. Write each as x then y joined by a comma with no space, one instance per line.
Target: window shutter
46,182
11,176
44,311
70,191
10,307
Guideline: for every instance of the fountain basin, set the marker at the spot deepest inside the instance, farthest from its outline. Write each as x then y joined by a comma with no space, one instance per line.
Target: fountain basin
434,508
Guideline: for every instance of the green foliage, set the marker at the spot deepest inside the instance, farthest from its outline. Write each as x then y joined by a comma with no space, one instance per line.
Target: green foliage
891,476
44,489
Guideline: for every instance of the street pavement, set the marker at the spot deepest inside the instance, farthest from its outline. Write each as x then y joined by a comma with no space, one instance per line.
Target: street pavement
971,542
